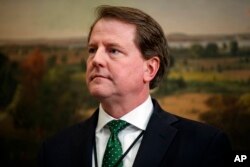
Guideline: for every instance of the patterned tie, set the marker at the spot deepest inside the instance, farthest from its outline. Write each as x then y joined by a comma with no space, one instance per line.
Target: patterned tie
114,149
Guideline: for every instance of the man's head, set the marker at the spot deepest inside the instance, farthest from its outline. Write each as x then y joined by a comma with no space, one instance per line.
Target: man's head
149,37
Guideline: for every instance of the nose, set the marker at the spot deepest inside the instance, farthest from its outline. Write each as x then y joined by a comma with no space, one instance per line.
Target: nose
98,58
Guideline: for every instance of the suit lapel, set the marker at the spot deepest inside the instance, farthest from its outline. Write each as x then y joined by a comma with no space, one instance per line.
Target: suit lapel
82,143
157,138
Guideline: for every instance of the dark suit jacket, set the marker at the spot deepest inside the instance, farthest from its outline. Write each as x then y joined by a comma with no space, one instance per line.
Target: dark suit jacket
168,141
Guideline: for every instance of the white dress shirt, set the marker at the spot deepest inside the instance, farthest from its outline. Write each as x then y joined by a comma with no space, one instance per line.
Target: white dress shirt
137,118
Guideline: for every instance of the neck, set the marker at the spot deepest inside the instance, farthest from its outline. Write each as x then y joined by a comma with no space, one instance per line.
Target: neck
118,108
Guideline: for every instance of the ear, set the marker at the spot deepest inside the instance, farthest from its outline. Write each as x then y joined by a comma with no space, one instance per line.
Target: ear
151,67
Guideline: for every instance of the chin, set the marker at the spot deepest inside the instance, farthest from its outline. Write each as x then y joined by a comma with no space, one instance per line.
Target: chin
99,94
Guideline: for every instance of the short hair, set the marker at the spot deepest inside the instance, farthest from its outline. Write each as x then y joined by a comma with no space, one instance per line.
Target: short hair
149,37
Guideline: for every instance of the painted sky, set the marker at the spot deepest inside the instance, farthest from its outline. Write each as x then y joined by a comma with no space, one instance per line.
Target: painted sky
72,18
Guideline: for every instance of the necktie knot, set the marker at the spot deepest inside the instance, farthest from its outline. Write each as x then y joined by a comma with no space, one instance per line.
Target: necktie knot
115,126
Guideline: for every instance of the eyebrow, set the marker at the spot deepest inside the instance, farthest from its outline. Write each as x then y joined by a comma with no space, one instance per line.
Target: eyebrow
111,44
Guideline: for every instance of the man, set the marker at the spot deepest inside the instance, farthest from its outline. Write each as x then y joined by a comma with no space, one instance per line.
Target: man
128,57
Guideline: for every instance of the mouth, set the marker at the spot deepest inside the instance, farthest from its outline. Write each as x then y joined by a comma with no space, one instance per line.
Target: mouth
96,76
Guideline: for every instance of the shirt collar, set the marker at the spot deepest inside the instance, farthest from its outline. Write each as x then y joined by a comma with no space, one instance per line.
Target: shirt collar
138,117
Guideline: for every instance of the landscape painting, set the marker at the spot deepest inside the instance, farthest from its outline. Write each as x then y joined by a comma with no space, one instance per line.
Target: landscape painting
43,53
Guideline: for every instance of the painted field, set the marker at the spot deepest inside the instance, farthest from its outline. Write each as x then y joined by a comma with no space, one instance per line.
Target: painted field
229,75
188,105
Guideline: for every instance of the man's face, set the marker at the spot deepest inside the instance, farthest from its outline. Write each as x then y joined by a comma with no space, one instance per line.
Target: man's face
115,66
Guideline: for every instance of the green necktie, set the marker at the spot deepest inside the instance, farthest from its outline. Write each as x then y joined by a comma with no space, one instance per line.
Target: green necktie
114,148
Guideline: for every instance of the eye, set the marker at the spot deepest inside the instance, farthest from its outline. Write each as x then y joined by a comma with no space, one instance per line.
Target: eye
113,51
91,50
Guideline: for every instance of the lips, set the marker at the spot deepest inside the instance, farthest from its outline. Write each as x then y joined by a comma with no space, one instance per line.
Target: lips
94,76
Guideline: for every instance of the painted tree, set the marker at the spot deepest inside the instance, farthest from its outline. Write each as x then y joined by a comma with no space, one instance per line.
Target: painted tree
211,50
231,113
8,81
234,48
32,69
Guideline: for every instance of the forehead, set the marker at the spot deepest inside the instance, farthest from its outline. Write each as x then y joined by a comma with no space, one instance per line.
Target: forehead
113,27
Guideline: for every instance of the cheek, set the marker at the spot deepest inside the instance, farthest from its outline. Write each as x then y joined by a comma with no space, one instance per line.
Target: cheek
88,70
130,73
88,64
